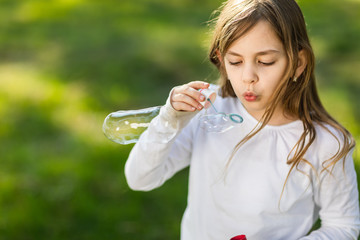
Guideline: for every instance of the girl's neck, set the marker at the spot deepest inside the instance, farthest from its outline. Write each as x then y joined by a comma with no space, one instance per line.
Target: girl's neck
284,119
278,118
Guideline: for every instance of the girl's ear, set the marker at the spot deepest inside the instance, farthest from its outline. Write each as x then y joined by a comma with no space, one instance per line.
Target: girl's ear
302,62
219,56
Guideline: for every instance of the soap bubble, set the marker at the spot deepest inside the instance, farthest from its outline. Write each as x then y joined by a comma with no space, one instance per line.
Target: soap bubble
125,127
219,122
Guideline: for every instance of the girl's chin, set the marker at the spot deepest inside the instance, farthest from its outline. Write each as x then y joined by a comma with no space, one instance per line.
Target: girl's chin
254,110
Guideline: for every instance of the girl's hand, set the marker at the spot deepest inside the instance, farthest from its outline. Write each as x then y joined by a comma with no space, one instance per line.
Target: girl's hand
187,97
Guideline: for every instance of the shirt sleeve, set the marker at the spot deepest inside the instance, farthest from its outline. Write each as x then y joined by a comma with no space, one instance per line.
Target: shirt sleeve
162,150
336,194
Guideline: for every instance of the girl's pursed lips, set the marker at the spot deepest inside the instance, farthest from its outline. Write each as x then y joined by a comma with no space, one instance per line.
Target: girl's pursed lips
250,96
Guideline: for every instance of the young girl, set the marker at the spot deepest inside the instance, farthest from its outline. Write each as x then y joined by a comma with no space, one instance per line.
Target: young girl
288,164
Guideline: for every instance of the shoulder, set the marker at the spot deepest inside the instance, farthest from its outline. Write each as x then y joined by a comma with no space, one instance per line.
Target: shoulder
328,135
328,141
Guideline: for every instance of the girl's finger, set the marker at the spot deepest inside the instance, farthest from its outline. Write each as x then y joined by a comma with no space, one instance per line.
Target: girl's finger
191,89
189,95
198,84
183,97
181,106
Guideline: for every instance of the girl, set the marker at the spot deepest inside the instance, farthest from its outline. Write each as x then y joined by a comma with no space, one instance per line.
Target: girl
288,164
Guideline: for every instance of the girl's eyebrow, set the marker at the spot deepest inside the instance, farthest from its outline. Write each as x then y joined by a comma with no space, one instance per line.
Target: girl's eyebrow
265,52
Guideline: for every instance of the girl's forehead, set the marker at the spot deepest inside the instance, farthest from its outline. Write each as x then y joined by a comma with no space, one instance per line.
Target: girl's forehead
261,37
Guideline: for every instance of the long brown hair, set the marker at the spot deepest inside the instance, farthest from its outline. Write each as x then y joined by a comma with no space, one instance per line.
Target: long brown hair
298,98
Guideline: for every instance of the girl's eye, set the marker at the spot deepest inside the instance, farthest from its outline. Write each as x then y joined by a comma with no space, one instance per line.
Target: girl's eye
267,63
235,63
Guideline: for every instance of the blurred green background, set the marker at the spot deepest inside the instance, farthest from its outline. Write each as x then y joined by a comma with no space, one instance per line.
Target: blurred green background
66,64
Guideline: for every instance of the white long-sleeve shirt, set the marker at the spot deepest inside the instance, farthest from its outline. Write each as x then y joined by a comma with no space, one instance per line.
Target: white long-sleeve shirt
245,197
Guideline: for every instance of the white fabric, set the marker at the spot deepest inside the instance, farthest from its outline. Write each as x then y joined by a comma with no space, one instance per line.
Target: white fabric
245,197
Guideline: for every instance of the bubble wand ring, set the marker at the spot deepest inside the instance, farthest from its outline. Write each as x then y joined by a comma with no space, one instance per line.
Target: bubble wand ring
236,118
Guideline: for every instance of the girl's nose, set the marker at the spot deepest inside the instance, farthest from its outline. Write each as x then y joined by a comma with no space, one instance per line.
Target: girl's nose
249,74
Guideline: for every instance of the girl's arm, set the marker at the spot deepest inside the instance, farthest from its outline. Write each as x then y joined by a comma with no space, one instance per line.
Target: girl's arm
337,196
165,147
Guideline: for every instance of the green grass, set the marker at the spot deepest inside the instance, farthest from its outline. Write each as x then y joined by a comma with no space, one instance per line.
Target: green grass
66,64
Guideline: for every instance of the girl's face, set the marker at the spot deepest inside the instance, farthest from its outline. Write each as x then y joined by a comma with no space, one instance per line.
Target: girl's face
255,65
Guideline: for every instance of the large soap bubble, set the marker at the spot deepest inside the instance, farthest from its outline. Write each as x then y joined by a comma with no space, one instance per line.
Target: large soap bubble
125,127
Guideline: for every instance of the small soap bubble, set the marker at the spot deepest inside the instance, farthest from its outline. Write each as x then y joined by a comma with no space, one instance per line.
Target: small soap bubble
216,123
219,122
